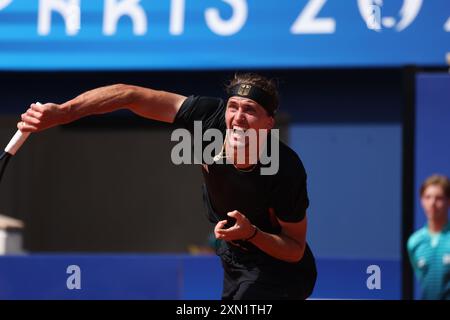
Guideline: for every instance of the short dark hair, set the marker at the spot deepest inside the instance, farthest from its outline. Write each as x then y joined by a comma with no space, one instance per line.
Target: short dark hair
263,83
437,180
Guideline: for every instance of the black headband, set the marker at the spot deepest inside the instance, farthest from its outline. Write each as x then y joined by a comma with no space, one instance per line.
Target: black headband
256,94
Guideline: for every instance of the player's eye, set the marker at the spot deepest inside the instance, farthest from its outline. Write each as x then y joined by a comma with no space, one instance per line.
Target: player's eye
250,110
232,106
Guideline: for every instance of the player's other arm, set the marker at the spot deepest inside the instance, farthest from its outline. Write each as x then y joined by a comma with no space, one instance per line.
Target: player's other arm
289,245
148,103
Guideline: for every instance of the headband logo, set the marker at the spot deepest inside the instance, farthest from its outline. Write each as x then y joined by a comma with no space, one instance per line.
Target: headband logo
244,89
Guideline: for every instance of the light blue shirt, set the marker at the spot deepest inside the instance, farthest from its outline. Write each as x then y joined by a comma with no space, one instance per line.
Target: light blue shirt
429,254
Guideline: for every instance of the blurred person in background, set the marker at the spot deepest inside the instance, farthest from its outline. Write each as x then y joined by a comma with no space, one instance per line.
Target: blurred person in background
429,247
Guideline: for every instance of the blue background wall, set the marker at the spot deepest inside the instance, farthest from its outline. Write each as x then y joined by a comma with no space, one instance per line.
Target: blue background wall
432,132
348,132
165,277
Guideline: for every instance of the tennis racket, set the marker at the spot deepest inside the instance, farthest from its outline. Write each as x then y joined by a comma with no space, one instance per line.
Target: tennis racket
13,146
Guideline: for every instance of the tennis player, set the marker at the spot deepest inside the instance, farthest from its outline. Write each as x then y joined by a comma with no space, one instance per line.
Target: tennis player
260,218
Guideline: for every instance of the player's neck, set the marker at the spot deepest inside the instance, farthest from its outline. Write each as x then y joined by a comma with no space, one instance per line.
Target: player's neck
242,159
437,225
247,163
246,157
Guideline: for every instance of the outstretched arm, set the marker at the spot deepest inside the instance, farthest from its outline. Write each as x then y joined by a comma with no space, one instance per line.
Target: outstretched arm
148,103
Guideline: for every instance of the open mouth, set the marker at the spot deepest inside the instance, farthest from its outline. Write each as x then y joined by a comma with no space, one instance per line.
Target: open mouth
239,130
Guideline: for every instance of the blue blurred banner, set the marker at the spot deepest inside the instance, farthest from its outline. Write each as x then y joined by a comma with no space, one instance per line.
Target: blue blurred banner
212,34
171,277
110,277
